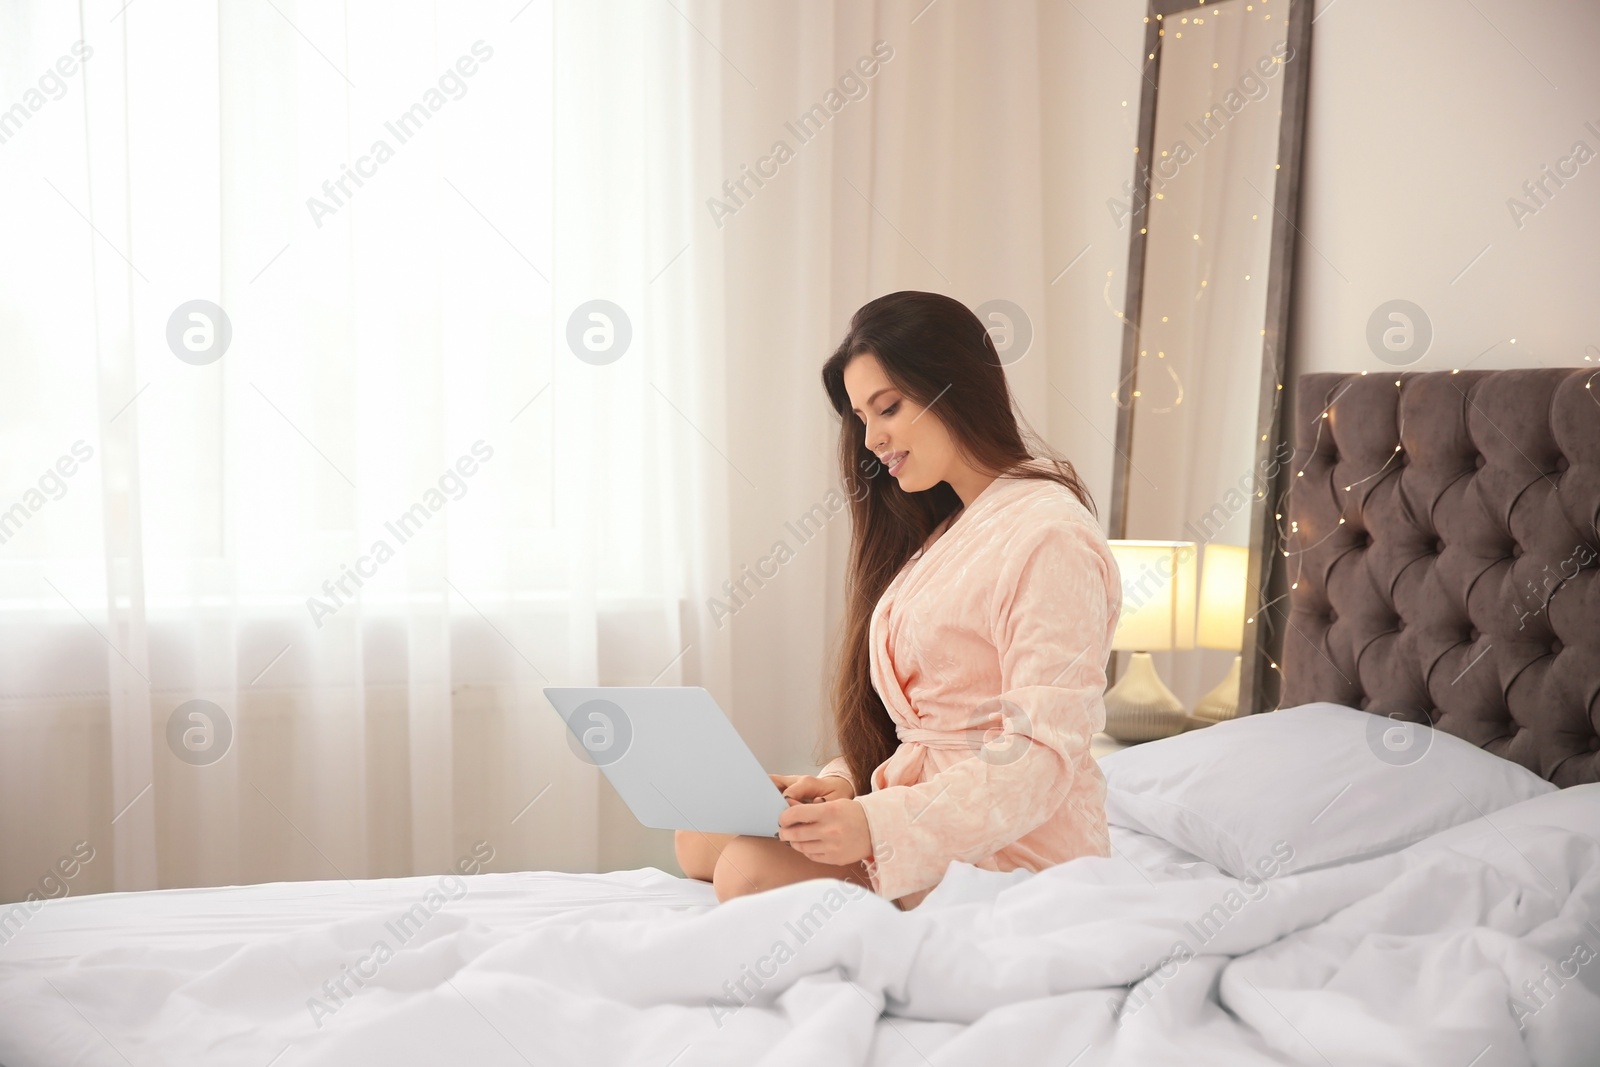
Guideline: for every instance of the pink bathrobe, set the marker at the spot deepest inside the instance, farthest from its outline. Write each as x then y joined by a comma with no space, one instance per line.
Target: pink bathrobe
989,650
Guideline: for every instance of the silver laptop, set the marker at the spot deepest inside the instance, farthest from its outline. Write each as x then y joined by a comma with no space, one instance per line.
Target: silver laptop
673,756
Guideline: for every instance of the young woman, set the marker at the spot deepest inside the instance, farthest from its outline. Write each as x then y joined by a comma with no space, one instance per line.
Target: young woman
982,597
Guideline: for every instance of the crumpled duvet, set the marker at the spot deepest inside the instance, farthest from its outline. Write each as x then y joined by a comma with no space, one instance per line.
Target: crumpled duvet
1479,952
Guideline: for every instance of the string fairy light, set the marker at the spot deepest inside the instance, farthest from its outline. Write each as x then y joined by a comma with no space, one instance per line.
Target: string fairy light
1295,526
1285,537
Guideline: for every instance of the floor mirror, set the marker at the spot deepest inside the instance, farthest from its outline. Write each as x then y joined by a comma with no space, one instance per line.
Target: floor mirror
1210,213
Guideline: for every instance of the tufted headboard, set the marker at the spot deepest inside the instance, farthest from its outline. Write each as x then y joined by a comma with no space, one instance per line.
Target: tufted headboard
1443,556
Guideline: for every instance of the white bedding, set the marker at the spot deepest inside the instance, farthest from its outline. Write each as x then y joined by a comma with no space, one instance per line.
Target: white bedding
1157,858
1409,958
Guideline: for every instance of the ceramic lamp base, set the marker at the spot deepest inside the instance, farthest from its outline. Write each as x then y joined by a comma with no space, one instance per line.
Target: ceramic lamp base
1223,701
1140,707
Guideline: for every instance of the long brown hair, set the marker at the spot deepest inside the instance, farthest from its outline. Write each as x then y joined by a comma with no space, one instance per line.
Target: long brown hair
931,347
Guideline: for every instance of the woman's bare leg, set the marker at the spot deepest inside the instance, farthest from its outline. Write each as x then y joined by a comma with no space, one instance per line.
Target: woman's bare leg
752,864
698,852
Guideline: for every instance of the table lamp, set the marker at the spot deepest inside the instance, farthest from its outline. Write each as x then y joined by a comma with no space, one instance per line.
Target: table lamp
1158,593
1222,585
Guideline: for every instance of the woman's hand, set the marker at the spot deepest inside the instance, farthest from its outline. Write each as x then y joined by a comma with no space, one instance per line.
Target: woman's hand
805,788
835,832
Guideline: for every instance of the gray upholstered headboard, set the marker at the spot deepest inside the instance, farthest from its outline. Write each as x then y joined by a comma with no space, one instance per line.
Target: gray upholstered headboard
1460,588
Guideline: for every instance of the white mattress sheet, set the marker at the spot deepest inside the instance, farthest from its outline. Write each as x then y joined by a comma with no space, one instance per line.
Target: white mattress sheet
199,919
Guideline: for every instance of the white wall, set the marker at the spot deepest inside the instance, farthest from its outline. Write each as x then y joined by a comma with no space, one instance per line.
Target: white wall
1425,118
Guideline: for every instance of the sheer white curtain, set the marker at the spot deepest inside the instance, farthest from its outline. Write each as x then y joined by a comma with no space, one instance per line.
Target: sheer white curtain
399,372
399,502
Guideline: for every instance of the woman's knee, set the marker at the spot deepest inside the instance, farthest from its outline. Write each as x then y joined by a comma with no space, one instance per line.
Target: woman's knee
740,869
697,855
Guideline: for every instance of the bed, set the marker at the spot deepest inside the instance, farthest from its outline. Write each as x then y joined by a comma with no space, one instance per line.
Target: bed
1400,866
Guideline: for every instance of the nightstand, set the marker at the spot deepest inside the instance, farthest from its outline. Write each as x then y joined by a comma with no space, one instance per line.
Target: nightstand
1103,743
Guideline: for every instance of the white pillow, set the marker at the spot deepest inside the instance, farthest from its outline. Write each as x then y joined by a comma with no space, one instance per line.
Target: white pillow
1303,787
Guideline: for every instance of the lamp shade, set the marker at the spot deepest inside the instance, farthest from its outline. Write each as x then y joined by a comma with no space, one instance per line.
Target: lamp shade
1222,584
1158,595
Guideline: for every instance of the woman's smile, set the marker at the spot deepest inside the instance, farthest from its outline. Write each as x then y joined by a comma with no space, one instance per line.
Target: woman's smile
895,461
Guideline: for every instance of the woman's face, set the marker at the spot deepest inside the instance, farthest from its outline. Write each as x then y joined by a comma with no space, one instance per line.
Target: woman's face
907,438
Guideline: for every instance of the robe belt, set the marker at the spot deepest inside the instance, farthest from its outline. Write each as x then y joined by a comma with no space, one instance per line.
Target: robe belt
971,740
